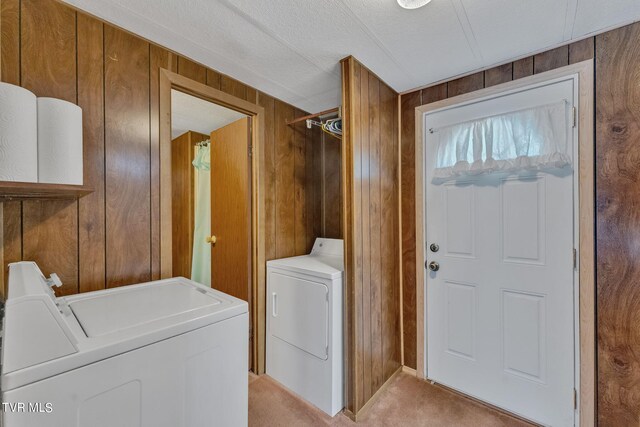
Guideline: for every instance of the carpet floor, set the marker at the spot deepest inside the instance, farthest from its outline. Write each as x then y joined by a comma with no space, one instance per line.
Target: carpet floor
406,401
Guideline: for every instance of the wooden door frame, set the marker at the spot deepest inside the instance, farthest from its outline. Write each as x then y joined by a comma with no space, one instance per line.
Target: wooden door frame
586,232
170,80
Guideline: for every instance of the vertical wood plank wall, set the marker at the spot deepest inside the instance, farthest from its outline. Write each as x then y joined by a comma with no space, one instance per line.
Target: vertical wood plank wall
372,261
111,237
617,137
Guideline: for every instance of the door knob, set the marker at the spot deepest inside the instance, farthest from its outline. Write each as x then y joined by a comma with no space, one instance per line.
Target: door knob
433,266
211,239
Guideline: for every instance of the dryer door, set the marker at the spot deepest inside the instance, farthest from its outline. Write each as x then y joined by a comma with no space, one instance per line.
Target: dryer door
299,311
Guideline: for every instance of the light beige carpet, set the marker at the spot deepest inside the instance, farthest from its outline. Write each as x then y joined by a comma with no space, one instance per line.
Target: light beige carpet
406,401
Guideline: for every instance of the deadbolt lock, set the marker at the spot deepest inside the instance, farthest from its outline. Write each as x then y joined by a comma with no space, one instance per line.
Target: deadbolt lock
434,247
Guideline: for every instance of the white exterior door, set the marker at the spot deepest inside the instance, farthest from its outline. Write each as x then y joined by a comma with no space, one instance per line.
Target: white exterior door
500,310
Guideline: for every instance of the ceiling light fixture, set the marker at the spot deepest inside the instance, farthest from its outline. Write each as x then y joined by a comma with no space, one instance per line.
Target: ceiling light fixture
412,4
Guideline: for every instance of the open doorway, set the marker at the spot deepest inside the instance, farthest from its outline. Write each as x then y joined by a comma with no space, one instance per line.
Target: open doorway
209,193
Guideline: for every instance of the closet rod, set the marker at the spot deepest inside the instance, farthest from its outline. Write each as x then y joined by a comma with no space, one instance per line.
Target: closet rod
311,116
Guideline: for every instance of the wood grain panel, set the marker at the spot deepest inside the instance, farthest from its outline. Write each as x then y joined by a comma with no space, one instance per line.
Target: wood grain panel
268,103
389,259
192,70
213,78
500,74
91,216
313,184
523,67
158,58
127,158
375,171
236,88
617,224
371,183
300,186
48,68
551,59
408,104
285,187
347,166
332,187
581,50
10,39
466,84
357,306
365,224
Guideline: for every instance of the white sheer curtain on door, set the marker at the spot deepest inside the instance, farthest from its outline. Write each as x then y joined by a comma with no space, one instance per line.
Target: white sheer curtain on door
201,260
529,139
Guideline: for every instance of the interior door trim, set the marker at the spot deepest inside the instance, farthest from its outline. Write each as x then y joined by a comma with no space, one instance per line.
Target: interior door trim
586,413
170,80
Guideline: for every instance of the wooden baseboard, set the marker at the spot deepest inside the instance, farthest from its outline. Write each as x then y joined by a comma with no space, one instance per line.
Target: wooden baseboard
410,371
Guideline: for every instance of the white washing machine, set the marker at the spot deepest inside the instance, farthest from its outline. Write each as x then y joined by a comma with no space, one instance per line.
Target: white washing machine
165,353
304,324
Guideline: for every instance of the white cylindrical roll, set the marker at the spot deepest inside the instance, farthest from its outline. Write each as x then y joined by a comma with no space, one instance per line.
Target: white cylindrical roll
59,142
18,134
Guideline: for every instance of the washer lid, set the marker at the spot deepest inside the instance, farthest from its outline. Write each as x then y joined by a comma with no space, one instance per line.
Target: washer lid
111,312
326,267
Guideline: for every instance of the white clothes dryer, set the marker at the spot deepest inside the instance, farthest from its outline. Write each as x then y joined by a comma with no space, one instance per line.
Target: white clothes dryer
304,324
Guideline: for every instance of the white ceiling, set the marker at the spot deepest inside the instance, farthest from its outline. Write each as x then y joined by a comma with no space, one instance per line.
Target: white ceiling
290,48
191,113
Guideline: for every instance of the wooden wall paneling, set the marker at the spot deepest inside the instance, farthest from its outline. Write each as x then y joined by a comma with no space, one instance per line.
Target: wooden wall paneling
365,182
332,186
10,41
581,50
10,212
523,67
432,94
389,240
408,103
213,78
347,167
192,70
551,59
48,68
357,306
617,225
465,84
299,185
235,88
500,74
375,177
268,103
159,58
270,203
314,184
370,153
285,189
91,215
127,158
